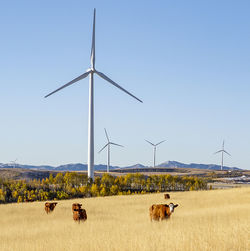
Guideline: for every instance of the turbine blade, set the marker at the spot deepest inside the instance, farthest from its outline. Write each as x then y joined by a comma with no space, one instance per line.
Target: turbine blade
150,142
115,144
115,84
84,75
92,57
104,147
226,152
218,151
160,142
106,134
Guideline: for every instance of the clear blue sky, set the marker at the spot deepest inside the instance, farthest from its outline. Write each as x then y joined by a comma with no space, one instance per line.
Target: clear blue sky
188,61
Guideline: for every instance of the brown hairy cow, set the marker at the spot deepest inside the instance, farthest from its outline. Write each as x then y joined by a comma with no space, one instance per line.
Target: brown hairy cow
162,211
166,196
79,215
50,206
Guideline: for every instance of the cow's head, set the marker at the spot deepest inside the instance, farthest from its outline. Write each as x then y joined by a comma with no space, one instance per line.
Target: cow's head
53,205
172,207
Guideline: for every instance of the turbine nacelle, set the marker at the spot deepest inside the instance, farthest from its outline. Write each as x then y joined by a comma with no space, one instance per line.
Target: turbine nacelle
89,70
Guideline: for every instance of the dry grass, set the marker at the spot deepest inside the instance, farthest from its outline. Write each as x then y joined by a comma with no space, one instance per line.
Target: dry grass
204,220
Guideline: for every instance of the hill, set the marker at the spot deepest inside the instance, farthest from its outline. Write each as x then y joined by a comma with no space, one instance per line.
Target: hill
83,167
196,166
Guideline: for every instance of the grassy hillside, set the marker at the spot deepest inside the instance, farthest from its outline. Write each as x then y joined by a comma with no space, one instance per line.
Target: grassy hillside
204,220
24,174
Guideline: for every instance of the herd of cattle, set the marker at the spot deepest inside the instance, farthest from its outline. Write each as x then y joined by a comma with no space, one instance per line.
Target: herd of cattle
156,211
79,214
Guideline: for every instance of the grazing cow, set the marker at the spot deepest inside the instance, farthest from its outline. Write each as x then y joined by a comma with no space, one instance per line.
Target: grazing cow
79,215
49,206
76,206
166,196
161,212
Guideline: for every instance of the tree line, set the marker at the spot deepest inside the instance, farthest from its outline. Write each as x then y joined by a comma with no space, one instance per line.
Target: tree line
75,185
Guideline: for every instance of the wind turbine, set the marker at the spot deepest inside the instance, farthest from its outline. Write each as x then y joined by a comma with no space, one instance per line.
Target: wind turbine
90,72
13,163
155,145
108,152
222,151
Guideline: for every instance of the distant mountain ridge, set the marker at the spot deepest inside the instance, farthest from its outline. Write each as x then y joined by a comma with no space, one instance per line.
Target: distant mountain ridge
196,166
67,167
84,167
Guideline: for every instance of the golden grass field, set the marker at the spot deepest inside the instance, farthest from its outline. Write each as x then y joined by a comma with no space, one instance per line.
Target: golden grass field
205,220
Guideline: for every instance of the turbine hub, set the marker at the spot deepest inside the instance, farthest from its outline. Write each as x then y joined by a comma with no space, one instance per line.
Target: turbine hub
92,69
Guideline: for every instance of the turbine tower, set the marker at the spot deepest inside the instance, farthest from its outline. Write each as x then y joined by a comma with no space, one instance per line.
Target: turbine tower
155,145
108,152
90,72
222,151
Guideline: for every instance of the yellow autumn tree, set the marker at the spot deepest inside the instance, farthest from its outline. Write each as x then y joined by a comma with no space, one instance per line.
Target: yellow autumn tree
94,190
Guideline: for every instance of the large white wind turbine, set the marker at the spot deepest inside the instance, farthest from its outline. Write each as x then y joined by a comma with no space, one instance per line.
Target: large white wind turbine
108,152
155,145
222,151
90,72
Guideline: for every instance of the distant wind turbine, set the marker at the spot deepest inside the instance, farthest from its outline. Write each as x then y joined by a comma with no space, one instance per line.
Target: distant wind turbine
90,72
222,151
13,163
108,152
155,145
